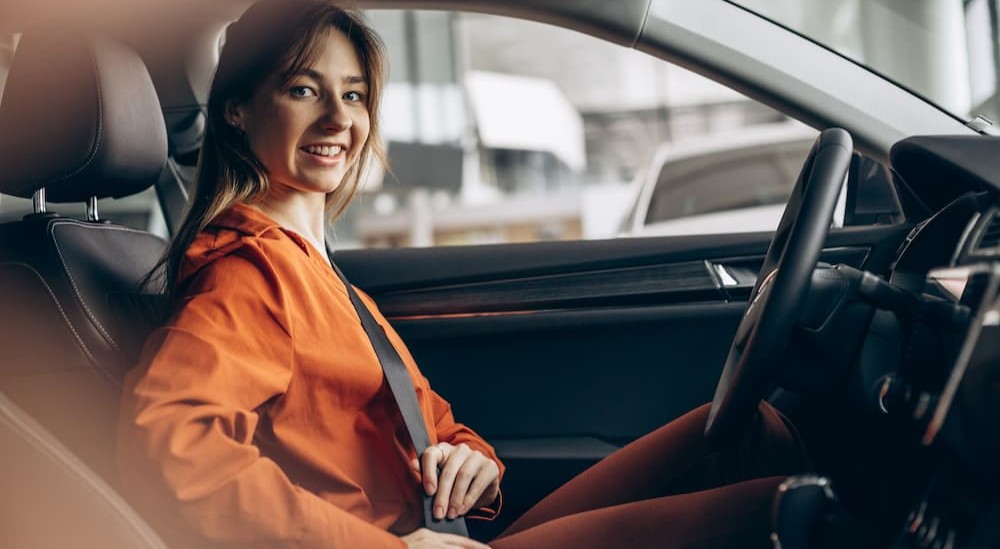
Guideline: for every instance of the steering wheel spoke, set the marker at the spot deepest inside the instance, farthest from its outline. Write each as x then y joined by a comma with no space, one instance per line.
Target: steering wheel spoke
782,287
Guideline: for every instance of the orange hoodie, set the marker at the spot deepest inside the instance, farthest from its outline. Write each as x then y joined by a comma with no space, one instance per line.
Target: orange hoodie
261,409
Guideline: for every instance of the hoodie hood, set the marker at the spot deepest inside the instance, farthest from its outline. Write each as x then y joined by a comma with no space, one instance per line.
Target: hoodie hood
230,230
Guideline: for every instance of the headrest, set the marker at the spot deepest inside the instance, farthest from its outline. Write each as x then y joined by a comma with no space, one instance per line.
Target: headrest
79,117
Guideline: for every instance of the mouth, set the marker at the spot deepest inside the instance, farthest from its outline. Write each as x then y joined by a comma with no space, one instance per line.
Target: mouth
324,151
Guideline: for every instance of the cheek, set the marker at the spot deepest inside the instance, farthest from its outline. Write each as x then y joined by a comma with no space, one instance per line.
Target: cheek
266,150
273,139
361,129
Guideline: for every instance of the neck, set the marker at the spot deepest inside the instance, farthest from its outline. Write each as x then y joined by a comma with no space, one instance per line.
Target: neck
304,213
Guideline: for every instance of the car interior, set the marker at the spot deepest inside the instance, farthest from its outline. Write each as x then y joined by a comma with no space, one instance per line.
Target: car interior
872,338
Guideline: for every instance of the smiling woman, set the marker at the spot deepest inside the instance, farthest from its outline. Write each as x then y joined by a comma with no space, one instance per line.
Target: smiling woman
258,412
264,387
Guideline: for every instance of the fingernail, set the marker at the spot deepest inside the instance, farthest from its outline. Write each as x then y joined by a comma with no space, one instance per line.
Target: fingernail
430,488
439,512
452,512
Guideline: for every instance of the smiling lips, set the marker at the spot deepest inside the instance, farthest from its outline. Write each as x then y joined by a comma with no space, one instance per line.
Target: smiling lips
326,151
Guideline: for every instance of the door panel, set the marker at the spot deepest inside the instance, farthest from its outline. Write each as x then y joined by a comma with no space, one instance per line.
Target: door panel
613,374
380,271
559,353
556,391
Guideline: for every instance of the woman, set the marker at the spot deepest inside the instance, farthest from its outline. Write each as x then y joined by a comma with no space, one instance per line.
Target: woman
259,413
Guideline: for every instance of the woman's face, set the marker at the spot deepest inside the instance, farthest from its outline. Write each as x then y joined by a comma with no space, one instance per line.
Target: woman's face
309,132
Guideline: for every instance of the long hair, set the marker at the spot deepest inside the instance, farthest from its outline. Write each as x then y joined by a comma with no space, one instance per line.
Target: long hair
272,36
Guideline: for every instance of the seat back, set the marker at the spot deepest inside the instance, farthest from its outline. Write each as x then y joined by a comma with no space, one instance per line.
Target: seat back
79,121
51,499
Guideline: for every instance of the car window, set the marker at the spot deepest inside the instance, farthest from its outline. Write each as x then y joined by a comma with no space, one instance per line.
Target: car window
945,51
501,130
7,44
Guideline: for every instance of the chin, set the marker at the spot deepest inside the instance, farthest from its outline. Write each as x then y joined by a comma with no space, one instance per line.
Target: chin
324,185
330,186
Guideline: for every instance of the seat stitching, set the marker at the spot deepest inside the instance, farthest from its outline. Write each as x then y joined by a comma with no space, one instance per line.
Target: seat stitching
76,289
62,312
90,314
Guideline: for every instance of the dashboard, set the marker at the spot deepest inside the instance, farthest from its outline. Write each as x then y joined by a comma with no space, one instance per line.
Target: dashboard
954,390
905,440
938,390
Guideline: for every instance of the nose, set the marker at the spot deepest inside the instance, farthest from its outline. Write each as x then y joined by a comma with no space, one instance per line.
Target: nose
336,119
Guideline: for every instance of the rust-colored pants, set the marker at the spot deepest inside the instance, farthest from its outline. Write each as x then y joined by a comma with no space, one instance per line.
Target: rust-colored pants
668,490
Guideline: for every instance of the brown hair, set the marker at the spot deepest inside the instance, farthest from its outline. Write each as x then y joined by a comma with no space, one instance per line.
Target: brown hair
272,36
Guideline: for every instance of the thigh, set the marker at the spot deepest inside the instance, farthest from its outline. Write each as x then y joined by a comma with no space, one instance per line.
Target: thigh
674,459
737,515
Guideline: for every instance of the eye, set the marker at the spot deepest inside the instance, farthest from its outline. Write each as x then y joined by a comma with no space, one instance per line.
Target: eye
354,96
302,91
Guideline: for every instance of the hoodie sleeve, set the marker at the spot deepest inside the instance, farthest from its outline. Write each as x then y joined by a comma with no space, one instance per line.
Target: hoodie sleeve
190,410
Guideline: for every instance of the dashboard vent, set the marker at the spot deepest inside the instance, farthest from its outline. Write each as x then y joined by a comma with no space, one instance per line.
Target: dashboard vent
991,236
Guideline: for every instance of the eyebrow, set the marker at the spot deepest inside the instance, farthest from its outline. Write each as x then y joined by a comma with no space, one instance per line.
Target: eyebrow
351,79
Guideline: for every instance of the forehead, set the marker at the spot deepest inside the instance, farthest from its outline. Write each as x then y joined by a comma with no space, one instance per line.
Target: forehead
335,55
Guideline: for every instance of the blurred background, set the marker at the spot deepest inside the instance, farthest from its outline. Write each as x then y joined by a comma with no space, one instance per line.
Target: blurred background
500,130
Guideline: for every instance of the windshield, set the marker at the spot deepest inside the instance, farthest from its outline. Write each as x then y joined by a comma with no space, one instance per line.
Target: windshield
944,50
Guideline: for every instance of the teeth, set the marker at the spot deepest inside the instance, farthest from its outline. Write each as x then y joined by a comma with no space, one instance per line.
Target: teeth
324,150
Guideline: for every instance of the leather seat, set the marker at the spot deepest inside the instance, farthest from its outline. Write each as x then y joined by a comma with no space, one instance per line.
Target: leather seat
80,119
51,499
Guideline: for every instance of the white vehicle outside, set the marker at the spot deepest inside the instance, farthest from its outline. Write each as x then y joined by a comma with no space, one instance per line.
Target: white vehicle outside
720,184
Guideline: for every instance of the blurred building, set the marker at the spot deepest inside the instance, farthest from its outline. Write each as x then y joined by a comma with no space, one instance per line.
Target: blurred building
501,130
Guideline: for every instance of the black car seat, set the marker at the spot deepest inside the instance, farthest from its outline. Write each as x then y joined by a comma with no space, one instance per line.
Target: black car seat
79,121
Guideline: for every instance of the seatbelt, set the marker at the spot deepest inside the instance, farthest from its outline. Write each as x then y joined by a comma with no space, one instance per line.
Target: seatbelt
405,395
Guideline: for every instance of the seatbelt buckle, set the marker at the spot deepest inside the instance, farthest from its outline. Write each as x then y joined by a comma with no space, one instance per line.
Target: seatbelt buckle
455,526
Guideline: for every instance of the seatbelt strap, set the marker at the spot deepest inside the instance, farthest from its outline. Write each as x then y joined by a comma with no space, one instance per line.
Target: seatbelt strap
405,395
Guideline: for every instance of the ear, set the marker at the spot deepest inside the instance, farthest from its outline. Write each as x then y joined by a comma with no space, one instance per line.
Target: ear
235,114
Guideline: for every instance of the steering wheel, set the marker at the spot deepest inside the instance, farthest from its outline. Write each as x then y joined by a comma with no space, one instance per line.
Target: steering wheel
781,287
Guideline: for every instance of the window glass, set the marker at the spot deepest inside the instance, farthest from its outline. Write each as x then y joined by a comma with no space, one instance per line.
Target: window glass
501,130
947,51
7,44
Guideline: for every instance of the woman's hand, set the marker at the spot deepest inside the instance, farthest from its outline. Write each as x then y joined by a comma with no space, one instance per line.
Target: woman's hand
426,539
467,479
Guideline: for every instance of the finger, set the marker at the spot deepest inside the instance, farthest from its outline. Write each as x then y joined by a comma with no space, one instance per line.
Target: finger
446,479
486,479
463,479
430,460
